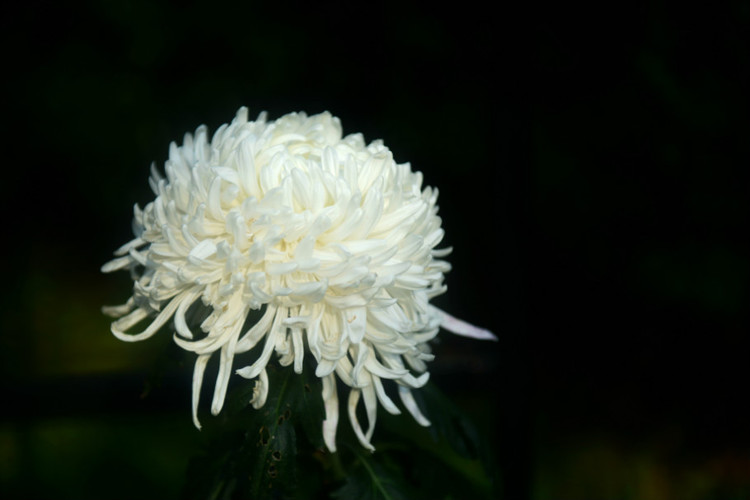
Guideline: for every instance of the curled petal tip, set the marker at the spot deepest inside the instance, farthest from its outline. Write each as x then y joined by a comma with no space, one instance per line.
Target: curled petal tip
460,327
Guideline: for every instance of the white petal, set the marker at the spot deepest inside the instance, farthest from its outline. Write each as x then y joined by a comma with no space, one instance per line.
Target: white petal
257,331
228,174
200,368
127,322
127,246
119,326
415,382
371,408
463,328
359,376
117,264
225,370
331,402
442,252
179,316
260,391
298,347
408,399
386,401
354,321
117,311
252,371
380,371
352,406
325,367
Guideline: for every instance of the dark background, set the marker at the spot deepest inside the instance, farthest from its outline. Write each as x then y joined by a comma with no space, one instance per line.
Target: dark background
592,164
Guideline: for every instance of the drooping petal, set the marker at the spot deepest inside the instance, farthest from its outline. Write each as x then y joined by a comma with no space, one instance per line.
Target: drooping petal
331,403
119,326
179,316
198,370
252,371
297,345
257,331
371,408
408,399
352,407
225,369
260,391
387,402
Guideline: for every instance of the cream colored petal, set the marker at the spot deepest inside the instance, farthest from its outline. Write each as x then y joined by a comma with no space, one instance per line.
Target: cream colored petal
386,401
119,326
352,407
179,316
463,328
252,371
260,391
198,370
331,403
408,399
225,369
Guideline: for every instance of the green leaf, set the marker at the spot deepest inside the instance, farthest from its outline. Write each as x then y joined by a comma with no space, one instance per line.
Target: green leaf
254,453
273,466
446,460
371,480
306,402
450,423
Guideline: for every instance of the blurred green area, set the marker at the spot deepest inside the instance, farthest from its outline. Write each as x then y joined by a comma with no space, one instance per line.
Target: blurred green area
607,162
603,466
96,457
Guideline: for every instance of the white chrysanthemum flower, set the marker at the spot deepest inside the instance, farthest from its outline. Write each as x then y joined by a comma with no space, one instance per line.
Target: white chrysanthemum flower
327,236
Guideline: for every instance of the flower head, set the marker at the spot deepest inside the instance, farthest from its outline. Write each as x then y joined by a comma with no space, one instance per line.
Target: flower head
329,239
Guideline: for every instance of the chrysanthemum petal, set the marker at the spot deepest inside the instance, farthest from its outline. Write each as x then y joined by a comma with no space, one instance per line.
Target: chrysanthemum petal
198,370
371,408
299,353
179,316
260,391
325,367
225,370
352,407
134,243
331,403
377,369
117,264
252,371
386,401
463,328
121,310
408,399
355,320
127,322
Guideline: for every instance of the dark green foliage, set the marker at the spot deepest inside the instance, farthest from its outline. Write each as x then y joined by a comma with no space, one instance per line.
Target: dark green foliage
277,452
371,480
253,453
449,459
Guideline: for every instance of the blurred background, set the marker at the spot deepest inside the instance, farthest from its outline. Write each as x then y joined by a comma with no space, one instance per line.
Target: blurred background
593,172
